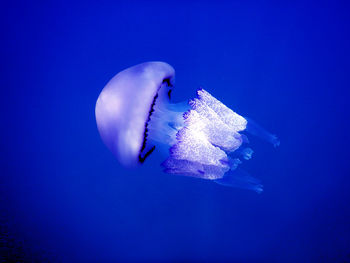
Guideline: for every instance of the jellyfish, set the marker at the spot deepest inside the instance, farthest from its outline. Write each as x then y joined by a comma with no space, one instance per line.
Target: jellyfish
200,138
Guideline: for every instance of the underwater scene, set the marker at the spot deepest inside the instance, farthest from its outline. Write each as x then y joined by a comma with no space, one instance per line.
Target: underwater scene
175,131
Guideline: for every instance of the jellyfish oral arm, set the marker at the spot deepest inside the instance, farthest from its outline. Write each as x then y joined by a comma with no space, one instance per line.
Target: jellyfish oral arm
200,135
205,140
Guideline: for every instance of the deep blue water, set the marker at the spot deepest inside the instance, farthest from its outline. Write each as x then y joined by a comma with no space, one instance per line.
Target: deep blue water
64,197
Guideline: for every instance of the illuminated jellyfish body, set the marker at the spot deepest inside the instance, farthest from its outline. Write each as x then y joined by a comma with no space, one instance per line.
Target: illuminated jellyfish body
202,138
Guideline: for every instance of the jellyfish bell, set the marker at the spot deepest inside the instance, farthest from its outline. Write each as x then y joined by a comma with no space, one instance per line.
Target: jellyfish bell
123,109
202,137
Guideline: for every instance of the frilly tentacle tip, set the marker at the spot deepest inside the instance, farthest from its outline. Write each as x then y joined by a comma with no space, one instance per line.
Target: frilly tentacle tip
276,142
259,189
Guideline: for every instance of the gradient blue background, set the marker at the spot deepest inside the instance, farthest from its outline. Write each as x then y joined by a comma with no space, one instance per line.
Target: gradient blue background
64,197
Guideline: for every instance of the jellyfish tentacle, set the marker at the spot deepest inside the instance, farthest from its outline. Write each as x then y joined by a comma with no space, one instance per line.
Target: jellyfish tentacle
241,179
245,153
235,162
244,138
255,129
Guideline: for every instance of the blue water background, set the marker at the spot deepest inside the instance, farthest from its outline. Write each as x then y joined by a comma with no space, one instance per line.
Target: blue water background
64,197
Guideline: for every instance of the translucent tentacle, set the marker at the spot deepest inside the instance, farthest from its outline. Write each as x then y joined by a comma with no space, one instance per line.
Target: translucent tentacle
245,153
256,130
241,179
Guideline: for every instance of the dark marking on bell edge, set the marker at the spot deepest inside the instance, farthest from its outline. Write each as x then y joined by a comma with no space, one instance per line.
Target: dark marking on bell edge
169,93
148,119
143,147
142,159
167,81
145,133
